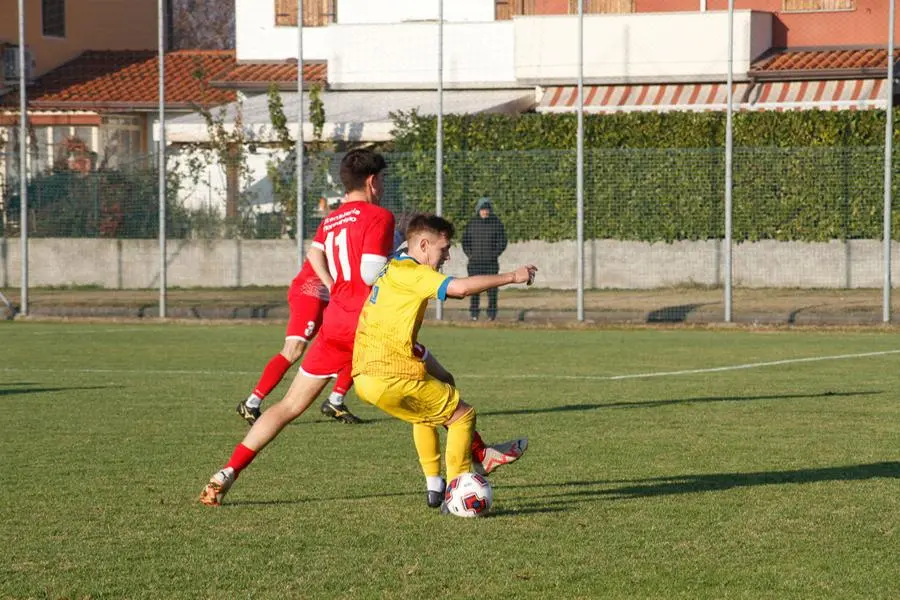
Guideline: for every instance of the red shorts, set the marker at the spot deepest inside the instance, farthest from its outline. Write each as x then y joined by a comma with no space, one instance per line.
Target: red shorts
327,357
305,315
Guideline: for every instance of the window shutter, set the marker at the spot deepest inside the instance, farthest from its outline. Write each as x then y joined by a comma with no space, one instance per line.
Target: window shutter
507,9
316,13
286,13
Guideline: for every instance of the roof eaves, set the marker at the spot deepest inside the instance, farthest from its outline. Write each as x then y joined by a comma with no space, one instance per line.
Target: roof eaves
261,86
815,74
118,106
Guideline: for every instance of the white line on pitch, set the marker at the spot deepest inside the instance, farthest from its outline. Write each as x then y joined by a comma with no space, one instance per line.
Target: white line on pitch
756,365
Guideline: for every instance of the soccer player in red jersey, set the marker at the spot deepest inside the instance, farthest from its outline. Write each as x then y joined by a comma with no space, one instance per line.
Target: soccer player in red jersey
307,299
348,251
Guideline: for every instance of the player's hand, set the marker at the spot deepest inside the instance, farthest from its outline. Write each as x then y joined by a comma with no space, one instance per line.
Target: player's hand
525,274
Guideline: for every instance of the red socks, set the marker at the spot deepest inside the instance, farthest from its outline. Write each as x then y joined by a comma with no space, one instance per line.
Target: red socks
477,447
240,459
343,382
272,375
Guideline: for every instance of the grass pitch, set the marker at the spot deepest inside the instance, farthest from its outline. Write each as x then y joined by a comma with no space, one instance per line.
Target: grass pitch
649,474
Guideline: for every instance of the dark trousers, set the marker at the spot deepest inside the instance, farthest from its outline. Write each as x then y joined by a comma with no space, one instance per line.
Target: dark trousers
475,299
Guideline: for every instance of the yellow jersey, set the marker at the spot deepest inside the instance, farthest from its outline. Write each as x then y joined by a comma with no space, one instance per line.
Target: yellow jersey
391,317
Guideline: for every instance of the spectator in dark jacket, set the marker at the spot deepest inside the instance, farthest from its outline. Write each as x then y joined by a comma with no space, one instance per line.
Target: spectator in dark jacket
484,240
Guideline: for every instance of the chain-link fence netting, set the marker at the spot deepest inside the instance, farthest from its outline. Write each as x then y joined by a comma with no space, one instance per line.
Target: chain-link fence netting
654,220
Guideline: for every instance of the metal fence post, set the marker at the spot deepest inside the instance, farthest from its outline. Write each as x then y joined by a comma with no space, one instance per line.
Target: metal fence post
161,49
579,185
439,148
888,164
729,165
301,225
23,168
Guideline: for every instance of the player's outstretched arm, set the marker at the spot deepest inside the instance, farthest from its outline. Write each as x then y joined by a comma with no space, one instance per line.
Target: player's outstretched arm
467,286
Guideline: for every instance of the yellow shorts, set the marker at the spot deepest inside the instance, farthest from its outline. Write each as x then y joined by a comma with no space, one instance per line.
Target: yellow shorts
427,402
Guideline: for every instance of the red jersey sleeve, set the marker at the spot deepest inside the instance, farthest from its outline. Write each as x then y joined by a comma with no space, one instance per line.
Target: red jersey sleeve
319,238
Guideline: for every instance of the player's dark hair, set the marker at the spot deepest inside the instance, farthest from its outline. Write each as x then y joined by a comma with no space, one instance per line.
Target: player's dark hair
434,224
358,165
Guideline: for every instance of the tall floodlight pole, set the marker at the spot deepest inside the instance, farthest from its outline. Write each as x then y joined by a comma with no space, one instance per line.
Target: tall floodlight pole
439,141
161,154
579,176
888,164
301,226
23,157
729,156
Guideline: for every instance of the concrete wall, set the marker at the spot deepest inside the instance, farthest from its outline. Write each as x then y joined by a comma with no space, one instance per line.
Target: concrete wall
609,264
475,55
639,47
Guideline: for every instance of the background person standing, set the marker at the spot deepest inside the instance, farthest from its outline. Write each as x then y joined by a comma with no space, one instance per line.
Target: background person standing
484,240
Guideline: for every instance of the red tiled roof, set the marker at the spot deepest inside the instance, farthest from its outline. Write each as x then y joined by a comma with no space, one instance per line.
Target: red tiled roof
824,63
283,74
128,79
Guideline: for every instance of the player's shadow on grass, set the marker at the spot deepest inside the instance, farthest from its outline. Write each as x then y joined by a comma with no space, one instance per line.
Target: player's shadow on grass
673,402
318,419
7,391
718,482
528,510
500,512
304,500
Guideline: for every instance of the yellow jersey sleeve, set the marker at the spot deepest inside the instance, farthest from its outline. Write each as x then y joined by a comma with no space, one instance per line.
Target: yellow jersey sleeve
425,282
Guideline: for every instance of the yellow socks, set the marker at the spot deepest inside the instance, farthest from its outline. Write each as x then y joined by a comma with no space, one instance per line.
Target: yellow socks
459,445
428,448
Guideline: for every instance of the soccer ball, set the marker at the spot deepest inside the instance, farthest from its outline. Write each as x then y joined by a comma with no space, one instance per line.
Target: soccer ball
469,495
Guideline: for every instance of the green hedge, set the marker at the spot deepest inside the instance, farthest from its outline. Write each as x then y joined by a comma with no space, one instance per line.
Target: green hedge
807,176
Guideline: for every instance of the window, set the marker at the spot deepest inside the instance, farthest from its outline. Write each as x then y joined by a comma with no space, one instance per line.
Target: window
316,13
602,6
120,142
41,150
53,18
71,148
817,5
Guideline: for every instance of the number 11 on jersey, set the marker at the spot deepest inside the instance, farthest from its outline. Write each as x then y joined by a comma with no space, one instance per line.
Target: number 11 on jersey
343,255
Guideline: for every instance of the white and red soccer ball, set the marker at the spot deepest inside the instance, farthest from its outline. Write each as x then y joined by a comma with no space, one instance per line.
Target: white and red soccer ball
469,495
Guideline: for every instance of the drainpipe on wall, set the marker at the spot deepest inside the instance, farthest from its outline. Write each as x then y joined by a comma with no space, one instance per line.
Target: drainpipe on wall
702,5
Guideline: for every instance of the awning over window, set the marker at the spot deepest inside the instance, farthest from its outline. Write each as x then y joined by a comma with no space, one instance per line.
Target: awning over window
852,94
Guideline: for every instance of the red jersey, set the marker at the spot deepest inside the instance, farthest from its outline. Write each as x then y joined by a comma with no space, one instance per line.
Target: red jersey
346,235
307,283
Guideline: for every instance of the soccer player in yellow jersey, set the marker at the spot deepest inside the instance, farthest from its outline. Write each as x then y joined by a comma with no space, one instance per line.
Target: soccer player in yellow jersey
389,371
